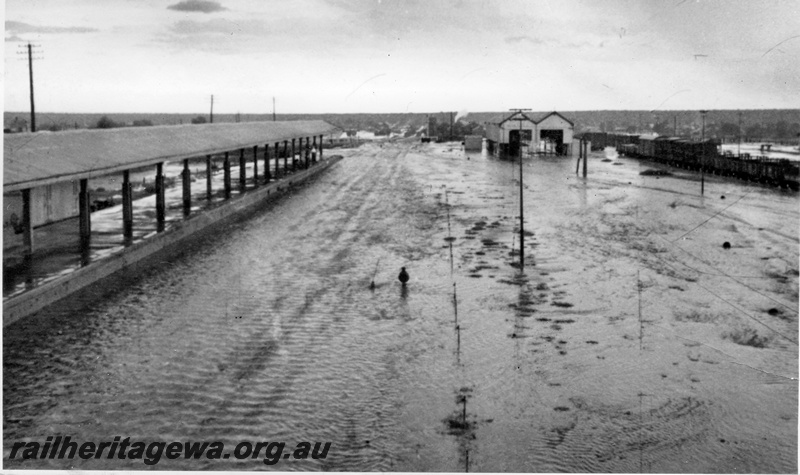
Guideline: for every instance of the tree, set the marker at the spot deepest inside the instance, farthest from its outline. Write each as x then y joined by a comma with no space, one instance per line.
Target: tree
754,131
728,129
199,120
106,123
662,128
475,128
781,129
383,129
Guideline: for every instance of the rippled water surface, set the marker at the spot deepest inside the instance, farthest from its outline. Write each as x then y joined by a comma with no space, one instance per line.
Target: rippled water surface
631,342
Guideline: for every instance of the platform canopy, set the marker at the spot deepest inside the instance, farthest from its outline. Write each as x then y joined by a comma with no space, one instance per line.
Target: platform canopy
43,158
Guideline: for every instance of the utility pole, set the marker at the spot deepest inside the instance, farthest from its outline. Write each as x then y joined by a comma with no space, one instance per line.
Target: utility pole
211,115
30,69
703,155
451,125
273,108
521,211
29,47
739,146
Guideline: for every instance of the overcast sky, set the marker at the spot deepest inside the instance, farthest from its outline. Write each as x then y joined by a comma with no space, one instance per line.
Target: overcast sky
340,56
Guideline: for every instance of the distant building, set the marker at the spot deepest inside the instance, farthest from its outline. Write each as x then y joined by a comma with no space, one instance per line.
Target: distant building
473,142
16,126
543,133
432,125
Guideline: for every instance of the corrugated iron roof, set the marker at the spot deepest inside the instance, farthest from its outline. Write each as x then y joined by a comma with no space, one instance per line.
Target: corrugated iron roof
41,158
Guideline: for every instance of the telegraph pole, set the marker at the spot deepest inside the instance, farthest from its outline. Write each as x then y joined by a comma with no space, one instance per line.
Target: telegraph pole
451,125
273,108
739,146
703,155
521,211
30,69
211,115
29,47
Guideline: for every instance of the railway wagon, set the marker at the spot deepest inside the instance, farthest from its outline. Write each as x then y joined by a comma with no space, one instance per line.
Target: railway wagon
697,155
598,139
601,140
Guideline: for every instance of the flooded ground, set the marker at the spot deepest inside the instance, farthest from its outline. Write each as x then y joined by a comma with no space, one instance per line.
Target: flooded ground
632,341
786,152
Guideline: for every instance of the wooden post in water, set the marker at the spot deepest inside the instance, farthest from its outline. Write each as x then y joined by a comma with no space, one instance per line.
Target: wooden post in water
464,411
703,154
521,211
293,153
455,303
641,327
127,206
308,152
161,207
267,173
255,165
84,211
585,155
286,156
315,153
242,172
277,153
521,187
187,188
227,176
209,190
27,223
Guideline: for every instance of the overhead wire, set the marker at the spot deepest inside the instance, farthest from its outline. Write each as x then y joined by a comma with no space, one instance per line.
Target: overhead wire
711,217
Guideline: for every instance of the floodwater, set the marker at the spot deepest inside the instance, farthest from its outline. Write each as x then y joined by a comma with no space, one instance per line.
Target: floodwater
776,151
631,342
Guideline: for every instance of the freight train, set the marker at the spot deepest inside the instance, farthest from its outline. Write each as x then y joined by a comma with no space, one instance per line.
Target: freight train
697,155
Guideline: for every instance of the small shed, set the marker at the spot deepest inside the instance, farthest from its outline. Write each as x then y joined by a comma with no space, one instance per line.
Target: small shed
473,142
542,133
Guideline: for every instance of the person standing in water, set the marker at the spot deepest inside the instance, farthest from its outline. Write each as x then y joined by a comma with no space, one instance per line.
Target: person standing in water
403,277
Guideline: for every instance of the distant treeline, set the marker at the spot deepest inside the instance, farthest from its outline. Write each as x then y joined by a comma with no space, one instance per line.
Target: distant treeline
761,123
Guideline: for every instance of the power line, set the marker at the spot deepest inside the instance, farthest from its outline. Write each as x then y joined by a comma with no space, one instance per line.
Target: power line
650,231
728,302
712,217
732,359
722,273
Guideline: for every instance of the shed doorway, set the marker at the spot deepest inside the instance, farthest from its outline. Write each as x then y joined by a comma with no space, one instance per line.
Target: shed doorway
554,136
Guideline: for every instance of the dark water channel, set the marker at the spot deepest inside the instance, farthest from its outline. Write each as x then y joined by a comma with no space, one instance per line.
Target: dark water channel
270,331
